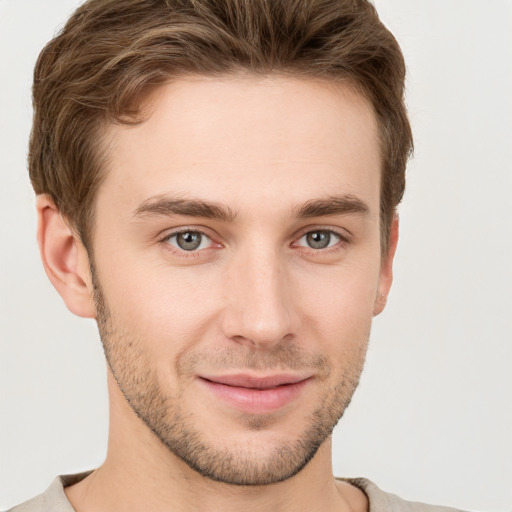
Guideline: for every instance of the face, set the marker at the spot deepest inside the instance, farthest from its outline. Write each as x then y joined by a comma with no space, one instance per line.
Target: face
237,268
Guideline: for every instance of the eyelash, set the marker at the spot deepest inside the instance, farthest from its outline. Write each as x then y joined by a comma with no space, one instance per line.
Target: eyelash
343,241
182,252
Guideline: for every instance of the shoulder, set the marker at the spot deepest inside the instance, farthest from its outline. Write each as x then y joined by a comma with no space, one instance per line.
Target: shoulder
381,501
53,499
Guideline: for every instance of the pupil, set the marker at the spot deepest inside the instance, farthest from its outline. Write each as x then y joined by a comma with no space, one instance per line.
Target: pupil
318,239
189,241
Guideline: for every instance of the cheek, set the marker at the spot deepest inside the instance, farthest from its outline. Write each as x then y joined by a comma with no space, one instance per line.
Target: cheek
171,309
339,301
165,307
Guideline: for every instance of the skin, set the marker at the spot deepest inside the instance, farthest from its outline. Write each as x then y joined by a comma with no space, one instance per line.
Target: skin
254,298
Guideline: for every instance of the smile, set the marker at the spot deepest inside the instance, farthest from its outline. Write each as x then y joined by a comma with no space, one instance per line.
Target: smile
256,395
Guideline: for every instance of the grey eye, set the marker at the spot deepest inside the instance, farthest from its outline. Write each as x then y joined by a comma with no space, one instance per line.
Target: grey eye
318,239
189,240
321,239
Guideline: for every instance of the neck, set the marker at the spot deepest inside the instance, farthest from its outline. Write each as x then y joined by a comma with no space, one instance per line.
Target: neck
140,473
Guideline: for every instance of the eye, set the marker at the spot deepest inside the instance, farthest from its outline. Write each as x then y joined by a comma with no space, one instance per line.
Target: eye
189,240
320,239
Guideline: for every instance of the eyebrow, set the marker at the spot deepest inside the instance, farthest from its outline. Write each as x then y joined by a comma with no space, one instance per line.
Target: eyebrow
334,205
166,206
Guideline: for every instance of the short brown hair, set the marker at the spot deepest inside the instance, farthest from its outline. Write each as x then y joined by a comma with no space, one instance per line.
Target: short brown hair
111,52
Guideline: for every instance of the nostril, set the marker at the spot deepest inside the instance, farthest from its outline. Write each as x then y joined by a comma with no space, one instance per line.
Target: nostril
257,341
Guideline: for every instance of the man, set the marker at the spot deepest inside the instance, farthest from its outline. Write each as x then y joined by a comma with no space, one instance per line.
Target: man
216,185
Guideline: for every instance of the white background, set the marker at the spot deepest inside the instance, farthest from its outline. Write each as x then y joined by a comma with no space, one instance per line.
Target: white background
432,419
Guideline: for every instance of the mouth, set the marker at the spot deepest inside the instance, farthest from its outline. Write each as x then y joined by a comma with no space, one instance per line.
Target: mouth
256,394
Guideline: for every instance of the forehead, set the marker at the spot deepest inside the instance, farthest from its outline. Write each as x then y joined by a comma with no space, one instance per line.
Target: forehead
221,138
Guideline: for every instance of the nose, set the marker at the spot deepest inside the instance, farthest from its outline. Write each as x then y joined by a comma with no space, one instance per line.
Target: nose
259,301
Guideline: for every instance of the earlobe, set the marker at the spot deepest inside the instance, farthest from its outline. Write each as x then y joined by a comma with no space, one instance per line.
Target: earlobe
64,259
386,271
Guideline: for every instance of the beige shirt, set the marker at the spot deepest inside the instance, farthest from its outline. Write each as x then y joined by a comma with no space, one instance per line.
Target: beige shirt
55,500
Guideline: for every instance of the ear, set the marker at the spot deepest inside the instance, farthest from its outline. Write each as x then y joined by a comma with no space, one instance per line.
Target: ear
386,270
65,259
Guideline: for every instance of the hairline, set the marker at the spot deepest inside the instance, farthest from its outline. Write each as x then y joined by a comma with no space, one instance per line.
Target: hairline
142,107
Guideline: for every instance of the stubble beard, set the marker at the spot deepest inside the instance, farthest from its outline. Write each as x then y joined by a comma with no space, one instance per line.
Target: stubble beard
163,413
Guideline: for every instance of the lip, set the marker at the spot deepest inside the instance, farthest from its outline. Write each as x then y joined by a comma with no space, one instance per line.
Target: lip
256,394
